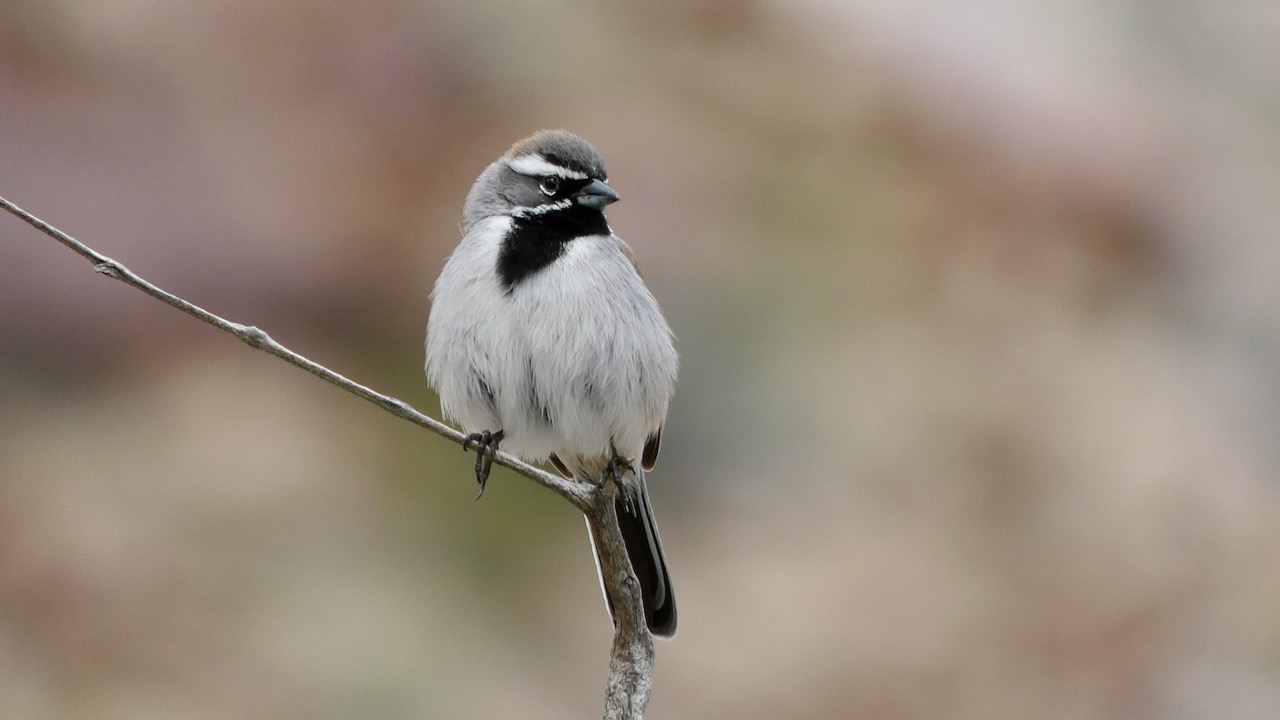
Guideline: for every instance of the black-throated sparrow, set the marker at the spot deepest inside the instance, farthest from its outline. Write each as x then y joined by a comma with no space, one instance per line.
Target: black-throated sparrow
543,336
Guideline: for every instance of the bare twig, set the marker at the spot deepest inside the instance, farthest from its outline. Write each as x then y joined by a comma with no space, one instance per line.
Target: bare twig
631,662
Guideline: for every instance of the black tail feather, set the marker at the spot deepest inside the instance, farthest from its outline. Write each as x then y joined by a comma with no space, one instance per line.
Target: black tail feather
640,534
644,548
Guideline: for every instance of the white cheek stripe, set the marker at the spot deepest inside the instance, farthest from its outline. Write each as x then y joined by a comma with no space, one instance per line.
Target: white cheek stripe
536,166
523,212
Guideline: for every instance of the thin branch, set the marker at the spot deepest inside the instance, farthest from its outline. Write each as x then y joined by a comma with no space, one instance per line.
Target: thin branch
631,660
576,493
631,663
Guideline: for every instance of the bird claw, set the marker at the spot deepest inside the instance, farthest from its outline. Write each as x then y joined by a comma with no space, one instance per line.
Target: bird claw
614,471
486,447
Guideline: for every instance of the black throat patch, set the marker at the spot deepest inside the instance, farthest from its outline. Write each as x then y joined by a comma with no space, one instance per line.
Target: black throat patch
536,241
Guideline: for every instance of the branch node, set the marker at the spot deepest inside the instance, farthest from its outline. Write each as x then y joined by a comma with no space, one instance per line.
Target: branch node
108,268
397,407
254,336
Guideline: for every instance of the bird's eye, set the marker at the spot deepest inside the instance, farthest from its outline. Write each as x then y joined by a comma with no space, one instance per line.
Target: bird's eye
550,185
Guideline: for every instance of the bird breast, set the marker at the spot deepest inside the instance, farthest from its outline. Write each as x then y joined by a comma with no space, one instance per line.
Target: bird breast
601,364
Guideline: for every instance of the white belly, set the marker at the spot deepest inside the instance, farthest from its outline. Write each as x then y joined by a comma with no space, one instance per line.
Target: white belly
577,358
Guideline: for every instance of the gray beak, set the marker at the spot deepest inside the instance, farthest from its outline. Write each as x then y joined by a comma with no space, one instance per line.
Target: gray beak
595,195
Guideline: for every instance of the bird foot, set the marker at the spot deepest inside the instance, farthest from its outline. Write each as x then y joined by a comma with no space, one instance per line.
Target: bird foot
486,446
614,472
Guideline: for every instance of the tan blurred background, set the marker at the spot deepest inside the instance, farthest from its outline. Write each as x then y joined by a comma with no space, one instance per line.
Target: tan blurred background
977,304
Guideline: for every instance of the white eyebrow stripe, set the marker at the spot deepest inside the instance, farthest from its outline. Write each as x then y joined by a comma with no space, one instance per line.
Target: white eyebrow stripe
524,212
536,166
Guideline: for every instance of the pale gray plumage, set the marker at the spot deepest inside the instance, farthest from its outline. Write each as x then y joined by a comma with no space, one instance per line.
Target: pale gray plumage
541,328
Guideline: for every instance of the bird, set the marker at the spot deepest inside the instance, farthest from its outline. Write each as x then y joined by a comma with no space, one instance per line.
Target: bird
543,338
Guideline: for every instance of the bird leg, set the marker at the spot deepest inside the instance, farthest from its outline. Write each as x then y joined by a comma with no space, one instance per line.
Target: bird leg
486,446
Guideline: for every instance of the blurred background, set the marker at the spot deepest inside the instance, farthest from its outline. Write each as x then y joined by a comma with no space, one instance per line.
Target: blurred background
978,415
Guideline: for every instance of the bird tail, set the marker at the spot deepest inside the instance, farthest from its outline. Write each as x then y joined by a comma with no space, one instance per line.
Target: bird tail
644,548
